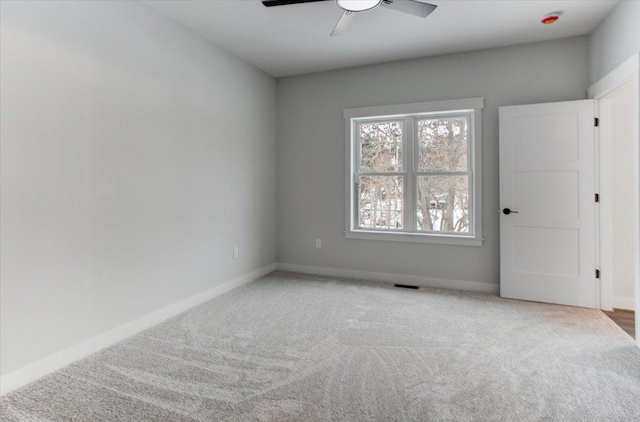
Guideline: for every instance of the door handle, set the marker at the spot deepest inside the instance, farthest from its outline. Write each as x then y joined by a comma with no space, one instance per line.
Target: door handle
507,211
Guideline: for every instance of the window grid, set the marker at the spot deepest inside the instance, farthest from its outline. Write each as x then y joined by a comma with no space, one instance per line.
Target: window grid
360,174
436,173
411,173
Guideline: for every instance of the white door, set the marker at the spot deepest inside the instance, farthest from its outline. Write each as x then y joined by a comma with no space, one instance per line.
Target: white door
547,205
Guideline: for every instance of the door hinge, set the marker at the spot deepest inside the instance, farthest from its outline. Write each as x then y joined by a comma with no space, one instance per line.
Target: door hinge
597,273
596,122
597,197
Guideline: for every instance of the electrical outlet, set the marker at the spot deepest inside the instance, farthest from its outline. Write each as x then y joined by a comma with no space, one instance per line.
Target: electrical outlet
318,243
235,252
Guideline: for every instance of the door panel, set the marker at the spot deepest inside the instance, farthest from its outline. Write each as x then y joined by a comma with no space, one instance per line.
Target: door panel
559,257
547,245
559,144
561,202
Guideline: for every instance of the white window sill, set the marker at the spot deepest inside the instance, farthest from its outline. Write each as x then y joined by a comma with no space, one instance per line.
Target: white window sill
439,239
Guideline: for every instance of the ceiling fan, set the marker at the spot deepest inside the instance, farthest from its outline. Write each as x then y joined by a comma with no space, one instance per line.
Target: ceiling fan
350,7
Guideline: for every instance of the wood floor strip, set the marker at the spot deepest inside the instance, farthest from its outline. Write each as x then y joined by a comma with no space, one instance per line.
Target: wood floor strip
625,320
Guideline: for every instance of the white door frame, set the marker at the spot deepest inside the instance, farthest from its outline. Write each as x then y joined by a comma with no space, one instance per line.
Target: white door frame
627,71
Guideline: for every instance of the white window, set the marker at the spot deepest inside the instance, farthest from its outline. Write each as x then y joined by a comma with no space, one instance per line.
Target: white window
413,172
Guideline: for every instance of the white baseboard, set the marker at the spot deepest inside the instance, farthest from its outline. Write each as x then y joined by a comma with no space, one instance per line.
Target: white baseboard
42,367
415,280
626,303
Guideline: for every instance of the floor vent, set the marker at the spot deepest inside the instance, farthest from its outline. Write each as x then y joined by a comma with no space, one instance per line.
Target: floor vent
406,286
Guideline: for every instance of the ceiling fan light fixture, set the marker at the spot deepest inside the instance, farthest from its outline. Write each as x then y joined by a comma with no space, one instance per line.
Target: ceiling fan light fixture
357,5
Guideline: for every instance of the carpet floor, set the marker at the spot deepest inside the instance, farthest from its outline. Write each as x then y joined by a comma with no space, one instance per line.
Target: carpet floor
291,347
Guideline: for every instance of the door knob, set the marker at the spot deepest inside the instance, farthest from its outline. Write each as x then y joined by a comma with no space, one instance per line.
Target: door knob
507,211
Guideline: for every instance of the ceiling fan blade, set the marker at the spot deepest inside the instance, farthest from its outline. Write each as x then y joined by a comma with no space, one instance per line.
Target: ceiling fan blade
343,23
270,3
413,7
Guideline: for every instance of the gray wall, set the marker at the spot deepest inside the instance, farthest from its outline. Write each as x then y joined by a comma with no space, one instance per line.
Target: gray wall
135,155
311,180
616,39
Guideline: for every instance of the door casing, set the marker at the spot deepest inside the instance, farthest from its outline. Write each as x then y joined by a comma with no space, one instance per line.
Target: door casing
629,71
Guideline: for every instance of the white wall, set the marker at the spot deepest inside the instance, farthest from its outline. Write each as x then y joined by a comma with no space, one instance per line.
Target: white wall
615,39
135,155
311,149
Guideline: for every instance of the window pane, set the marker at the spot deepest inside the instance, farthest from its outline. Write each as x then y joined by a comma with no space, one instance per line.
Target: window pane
442,144
380,202
381,146
443,203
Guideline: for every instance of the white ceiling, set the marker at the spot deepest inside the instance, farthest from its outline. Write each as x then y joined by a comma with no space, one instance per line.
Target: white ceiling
294,39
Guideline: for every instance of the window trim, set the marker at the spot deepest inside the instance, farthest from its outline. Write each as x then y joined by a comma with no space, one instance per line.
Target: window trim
473,106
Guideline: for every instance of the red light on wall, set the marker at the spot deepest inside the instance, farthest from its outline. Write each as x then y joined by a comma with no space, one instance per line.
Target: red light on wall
550,18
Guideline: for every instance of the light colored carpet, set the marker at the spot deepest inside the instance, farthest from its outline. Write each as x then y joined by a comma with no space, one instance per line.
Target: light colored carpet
299,348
